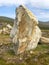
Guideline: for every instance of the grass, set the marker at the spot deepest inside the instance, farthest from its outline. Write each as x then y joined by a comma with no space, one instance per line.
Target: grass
11,52
4,39
45,33
39,56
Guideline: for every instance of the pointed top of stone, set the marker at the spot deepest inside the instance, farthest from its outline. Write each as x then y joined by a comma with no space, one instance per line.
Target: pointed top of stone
29,13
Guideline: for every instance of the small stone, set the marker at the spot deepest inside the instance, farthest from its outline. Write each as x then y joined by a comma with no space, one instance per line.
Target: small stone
20,58
31,52
1,44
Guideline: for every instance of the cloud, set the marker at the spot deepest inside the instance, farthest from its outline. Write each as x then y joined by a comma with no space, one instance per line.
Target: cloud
34,3
43,15
13,2
40,3
38,7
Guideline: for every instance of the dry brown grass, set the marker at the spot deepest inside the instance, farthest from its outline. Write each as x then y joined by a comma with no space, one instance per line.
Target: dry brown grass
4,39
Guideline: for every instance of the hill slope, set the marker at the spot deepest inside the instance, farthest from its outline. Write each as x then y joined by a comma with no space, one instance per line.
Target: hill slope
2,18
44,25
6,20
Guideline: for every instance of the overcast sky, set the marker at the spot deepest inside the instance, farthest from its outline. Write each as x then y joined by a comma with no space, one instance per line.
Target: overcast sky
39,7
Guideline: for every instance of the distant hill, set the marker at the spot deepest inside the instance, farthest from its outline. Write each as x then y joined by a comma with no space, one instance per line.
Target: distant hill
44,25
6,20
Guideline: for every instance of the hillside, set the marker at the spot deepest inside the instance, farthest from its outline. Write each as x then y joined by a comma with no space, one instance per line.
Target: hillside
5,20
44,25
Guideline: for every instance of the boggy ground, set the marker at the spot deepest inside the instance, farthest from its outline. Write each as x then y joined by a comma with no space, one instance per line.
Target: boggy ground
38,56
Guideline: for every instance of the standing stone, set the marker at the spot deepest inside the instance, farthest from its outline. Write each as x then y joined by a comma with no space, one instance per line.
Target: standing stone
25,33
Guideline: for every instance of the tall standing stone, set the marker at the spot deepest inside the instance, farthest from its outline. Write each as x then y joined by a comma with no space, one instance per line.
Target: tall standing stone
25,33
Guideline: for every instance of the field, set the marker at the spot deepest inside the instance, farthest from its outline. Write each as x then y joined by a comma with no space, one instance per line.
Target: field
38,56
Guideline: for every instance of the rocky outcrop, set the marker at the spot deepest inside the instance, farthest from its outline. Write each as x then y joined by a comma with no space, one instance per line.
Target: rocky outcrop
6,29
25,32
44,40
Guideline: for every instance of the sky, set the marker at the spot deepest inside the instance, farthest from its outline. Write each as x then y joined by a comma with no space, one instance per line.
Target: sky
40,8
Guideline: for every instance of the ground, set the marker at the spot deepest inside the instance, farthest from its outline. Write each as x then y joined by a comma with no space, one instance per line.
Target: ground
38,56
